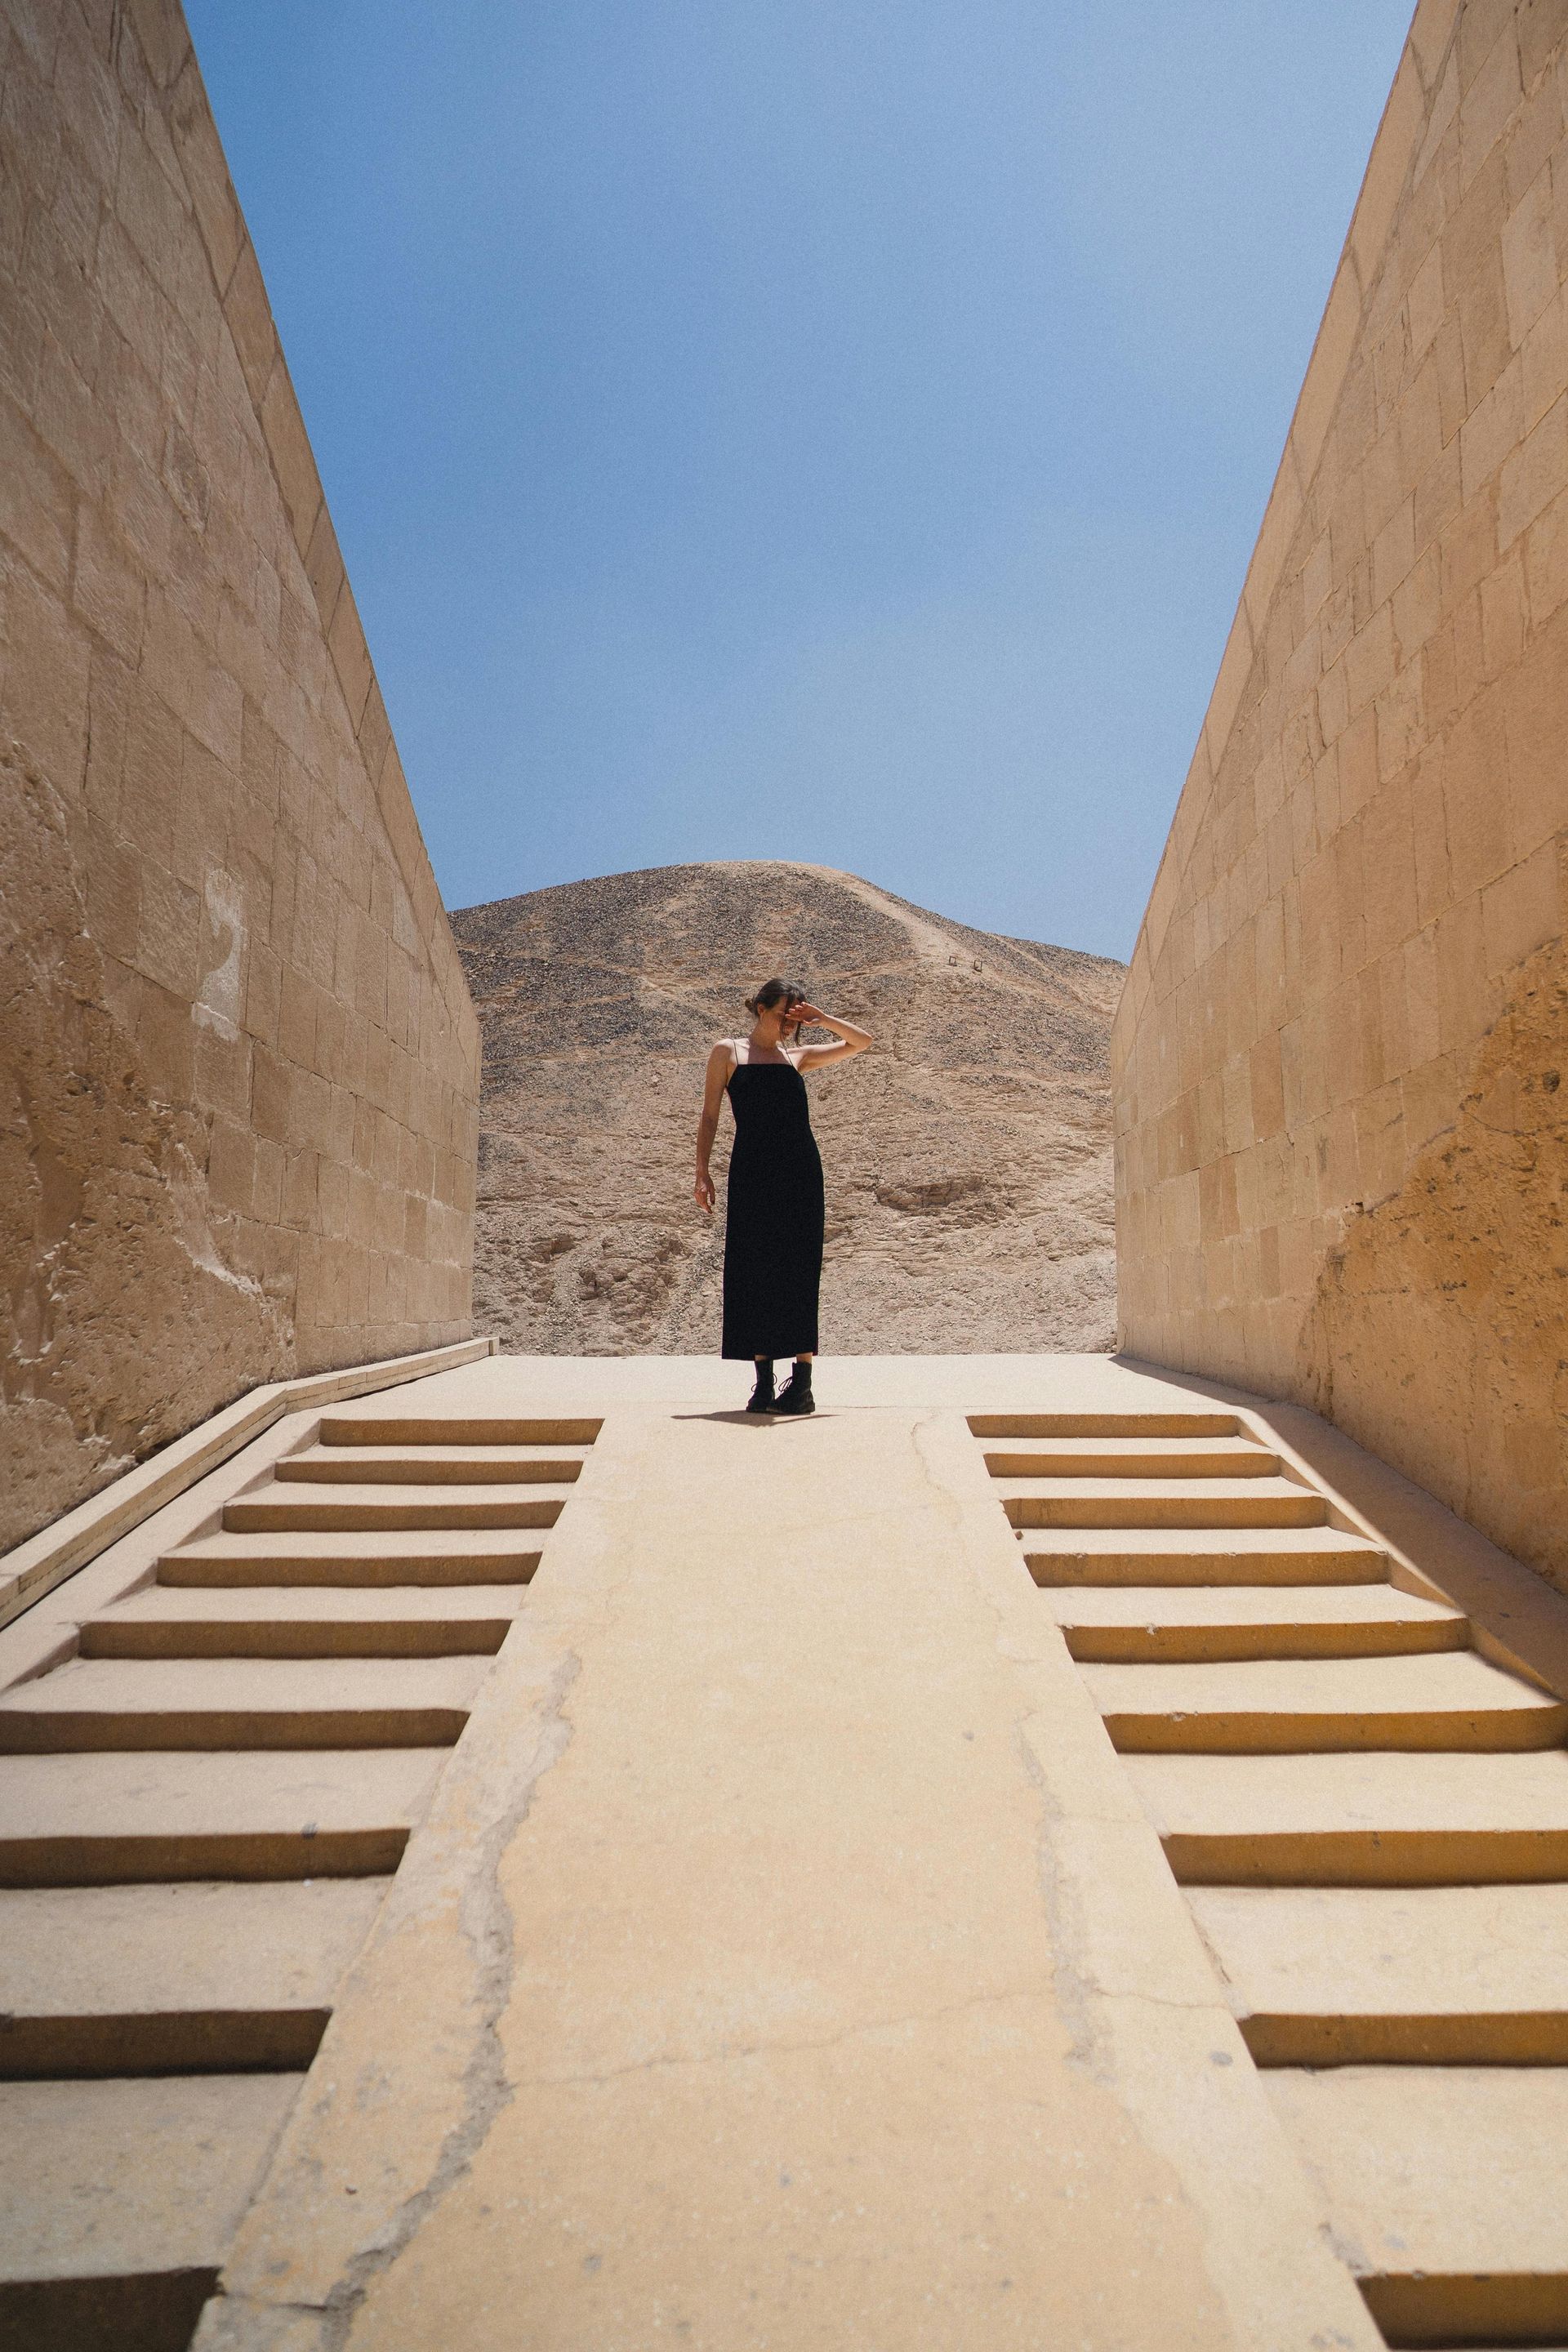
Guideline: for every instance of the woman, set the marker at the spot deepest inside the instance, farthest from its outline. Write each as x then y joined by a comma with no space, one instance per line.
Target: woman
772,1233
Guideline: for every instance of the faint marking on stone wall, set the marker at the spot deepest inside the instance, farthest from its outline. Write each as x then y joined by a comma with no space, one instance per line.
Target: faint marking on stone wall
1438,1329
220,996
184,475
105,1217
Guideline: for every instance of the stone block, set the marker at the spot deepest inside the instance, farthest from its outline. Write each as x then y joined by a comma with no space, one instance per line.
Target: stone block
163,38
161,1030
1537,781
114,873
1430,1096
1380,1156
1417,606
111,698
168,933
58,287
1466,1003
107,587
1522,910
1491,432
1422,1023
1533,474
1475,792
1488,102
1266,1076
270,1163
1471,673
1394,548
297,1019
206,173
1438,494
324,568
300,1200
1418,429
1529,256
271,1100
1504,615
1543,360
221,1068
1426,304
46,654
231,1167
1540,32
37,498
1370,659
149,210
292,455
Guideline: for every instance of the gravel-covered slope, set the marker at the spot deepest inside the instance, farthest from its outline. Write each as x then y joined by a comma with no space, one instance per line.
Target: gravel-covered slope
968,1158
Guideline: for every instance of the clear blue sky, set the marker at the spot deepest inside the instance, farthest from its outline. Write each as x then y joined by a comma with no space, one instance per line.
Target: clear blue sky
830,429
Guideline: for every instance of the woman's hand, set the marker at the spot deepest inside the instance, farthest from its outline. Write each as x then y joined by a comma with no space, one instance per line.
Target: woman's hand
850,1038
703,1191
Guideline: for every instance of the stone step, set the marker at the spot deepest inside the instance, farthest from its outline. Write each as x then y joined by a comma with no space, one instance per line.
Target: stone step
161,1980
1140,1457
367,1509
100,1821
265,1621
1191,1556
1201,1422
1359,1821
1352,1975
1160,1502
120,2201
385,1558
1162,1624
430,1466
1279,1707
459,1429
240,1703
1446,2189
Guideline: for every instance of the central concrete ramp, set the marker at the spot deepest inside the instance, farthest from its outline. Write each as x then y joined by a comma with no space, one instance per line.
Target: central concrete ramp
786,1959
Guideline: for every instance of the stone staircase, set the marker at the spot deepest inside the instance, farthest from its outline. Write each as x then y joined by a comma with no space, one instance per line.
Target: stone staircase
199,1817
1370,1822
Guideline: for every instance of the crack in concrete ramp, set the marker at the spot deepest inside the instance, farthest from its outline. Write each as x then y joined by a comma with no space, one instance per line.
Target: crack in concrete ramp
785,1960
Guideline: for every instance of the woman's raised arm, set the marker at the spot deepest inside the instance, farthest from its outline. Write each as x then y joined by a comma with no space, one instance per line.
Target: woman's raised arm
851,1040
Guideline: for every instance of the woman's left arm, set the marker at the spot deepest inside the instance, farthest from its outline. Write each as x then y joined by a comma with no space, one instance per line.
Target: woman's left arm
850,1039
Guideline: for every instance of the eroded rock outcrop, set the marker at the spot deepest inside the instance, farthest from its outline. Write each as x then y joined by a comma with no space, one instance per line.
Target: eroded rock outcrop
969,1196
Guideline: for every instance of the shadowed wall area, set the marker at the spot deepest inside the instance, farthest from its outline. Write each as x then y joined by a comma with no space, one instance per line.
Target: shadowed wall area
239,1067
1342,1142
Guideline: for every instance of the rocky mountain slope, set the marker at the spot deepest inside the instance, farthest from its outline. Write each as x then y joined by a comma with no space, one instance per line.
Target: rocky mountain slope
968,1158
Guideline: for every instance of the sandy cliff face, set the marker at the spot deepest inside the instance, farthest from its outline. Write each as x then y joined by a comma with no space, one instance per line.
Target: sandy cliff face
968,1167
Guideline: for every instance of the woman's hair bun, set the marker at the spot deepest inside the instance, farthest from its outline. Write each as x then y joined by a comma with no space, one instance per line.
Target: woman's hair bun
775,992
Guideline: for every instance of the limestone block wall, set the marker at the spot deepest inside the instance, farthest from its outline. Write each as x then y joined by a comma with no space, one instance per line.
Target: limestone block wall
1341,1147
239,1067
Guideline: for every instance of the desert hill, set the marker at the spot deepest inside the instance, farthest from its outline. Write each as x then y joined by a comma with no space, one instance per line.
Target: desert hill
968,1158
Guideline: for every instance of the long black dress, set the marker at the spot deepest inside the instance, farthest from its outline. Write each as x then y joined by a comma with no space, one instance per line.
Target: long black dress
773,1231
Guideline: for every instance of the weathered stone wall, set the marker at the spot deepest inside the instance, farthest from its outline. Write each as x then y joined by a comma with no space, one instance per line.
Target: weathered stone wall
239,1067
1342,1143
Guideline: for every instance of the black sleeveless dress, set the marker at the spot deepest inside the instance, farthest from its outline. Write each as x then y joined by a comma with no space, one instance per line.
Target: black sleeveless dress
772,1230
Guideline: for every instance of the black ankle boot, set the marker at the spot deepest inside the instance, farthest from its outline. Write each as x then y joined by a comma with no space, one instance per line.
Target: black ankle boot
797,1396
762,1396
